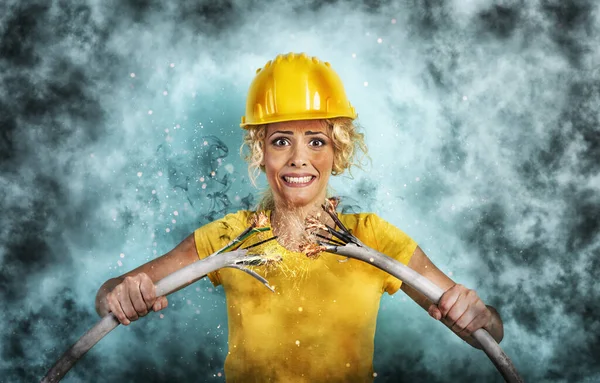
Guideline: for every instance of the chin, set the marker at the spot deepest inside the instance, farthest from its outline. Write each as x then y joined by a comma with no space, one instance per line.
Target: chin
303,201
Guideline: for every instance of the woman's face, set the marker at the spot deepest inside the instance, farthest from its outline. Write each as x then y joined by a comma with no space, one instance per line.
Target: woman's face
298,159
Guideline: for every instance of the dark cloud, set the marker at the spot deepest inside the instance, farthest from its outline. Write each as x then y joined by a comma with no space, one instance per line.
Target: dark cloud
113,117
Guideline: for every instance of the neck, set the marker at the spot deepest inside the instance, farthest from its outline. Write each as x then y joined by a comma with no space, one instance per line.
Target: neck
287,223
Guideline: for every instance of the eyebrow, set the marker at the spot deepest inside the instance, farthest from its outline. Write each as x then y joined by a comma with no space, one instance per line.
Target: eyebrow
308,133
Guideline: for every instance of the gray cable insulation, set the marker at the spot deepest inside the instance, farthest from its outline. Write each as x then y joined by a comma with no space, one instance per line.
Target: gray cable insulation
165,286
433,293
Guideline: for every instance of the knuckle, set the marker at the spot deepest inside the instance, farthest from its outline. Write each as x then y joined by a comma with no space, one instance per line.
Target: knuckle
443,306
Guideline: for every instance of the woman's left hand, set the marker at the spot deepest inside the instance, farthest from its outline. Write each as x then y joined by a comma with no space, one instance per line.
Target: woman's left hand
462,311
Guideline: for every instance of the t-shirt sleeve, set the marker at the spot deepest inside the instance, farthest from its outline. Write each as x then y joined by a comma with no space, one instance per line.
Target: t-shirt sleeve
214,235
394,243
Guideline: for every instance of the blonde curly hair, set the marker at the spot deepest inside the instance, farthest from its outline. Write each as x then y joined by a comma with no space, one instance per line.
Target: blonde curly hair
346,139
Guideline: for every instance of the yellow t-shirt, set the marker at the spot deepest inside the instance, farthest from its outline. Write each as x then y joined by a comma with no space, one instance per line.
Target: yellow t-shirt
319,325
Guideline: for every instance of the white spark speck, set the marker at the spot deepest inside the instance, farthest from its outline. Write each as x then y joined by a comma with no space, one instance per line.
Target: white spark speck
393,21
132,75
122,255
162,316
167,230
153,191
172,65
165,93
353,55
150,111
300,309
379,40
465,98
139,174
174,221
175,212
119,263
203,186
366,83
298,343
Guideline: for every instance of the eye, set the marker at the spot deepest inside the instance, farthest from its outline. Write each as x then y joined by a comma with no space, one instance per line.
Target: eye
318,142
280,141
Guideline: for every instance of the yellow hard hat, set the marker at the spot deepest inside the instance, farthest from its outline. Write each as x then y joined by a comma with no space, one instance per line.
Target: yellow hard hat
295,87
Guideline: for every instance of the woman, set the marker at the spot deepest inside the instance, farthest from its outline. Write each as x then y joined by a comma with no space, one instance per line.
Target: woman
320,322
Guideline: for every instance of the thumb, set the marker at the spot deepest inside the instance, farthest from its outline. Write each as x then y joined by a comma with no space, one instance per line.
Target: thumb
160,303
434,312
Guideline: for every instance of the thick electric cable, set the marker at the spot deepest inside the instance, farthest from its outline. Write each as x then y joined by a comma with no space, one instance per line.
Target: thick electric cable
185,276
357,250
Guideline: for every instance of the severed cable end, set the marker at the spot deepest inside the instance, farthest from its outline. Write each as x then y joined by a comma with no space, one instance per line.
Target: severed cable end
312,250
259,220
254,274
326,246
313,224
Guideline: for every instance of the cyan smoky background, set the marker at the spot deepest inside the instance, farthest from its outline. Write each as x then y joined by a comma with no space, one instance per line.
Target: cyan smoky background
119,136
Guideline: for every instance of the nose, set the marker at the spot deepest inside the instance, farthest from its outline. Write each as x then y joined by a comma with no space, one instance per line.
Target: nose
299,157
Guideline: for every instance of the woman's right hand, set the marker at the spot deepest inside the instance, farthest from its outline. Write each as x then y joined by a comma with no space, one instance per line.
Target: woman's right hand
134,298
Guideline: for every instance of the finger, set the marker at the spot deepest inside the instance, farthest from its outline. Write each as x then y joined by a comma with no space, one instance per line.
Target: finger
160,303
148,291
479,321
127,306
115,308
466,319
448,300
461,305
137,300
434,312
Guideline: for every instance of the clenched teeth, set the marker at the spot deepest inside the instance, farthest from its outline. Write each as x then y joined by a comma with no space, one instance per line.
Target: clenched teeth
298,180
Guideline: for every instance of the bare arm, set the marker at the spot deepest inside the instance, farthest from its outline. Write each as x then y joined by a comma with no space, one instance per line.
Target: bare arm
147,274
460,309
